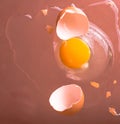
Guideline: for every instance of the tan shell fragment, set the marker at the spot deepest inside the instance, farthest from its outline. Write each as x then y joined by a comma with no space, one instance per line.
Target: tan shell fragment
44,12
108,94
49,29
95,84
115,82
112,111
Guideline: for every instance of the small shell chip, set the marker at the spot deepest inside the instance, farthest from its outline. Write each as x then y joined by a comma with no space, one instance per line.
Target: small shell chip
95,84
108,94
112,111
49,29
44,12
65,26
115,82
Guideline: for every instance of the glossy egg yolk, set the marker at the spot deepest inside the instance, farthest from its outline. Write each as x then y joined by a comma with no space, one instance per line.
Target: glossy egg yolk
74,53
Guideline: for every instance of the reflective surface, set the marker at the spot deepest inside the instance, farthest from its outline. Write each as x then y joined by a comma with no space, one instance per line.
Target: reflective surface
29,72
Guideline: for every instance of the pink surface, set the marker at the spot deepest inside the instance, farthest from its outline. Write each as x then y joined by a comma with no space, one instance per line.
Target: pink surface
29,72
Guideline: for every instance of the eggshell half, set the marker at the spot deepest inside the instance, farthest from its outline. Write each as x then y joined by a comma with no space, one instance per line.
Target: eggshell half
71,22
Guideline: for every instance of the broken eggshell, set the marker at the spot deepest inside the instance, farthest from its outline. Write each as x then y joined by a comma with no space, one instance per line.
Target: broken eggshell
71,22
67,99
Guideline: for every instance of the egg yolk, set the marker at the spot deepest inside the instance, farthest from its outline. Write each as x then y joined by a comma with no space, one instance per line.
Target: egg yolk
74,53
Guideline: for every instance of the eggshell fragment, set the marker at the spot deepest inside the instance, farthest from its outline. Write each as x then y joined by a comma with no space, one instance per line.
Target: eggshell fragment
112,111
49,29
95,84
71,22
108,94
44,12
115,82
67,99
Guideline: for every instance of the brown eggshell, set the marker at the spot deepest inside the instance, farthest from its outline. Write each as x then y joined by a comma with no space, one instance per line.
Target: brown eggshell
67,99
71,22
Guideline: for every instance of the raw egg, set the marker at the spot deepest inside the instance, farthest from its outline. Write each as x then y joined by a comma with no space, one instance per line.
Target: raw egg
74,52
84,57
68,99
71,22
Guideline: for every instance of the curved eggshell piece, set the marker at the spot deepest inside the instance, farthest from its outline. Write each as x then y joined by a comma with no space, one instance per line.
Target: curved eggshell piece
67,99
71,22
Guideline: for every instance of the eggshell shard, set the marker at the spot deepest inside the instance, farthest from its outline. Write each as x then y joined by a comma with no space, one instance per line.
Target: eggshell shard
67,99
95,84
44,12
112,111
49,29
108,94
71,22
115,82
